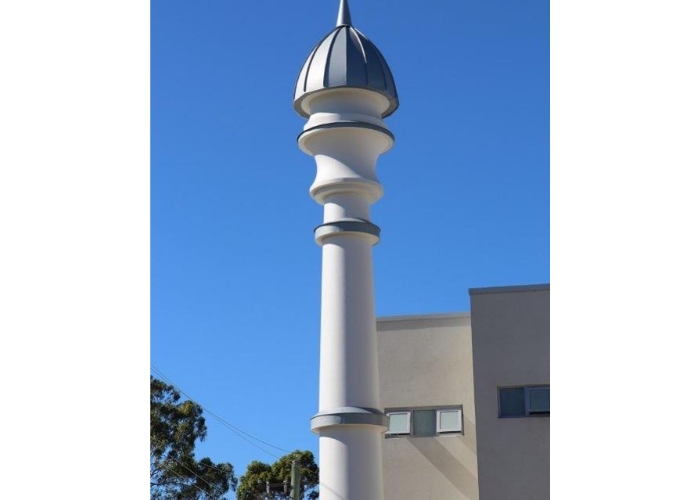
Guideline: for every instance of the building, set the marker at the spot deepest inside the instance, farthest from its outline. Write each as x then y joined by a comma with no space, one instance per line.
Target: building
445,407
468,399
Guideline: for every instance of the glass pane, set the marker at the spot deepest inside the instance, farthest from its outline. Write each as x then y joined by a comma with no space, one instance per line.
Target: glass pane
399,423
511,402
449,421
423,422
539,400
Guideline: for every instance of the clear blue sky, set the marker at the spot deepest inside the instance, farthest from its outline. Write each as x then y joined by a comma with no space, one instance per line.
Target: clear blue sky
235,273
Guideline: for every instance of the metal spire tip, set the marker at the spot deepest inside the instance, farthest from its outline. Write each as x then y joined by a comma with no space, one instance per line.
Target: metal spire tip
344,14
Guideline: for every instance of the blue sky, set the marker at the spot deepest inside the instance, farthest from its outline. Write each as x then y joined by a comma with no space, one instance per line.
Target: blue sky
235,272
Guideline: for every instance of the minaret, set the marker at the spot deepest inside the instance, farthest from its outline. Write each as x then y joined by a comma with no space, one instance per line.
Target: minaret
346,89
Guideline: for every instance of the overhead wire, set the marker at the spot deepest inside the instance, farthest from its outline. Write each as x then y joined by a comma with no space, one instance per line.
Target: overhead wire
194,484
193,472
228,425
236,430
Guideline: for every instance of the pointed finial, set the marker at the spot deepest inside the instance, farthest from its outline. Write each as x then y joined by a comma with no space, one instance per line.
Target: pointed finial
344,14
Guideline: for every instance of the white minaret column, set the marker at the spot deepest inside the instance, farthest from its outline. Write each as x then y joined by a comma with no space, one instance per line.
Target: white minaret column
345,134
349,421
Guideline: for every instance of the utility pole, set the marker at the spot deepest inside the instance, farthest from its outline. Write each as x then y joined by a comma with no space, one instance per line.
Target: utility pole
295,480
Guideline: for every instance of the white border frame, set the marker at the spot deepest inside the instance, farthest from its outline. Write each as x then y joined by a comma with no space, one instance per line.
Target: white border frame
460,425
409,423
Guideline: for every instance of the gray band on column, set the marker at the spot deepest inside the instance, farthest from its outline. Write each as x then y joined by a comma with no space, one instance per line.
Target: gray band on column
346,226
349,415
347,124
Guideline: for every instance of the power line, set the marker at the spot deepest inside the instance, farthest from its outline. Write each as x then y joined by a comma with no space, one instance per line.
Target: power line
193,472
193,484
239,432
230,426
186,478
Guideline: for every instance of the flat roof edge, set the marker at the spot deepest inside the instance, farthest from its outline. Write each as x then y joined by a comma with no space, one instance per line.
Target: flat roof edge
506,289
408,317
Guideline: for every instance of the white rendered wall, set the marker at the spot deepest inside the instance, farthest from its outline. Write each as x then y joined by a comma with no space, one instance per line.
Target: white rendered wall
426,361
352,459
348,335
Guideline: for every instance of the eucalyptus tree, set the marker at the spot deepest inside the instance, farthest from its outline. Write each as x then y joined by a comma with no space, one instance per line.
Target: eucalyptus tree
176,474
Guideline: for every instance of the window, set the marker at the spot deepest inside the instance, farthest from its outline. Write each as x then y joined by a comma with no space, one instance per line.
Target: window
449,420
425,422
523,401
399,422
537,399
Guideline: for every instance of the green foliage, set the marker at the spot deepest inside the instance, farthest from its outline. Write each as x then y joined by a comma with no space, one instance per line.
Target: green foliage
175,473
252,485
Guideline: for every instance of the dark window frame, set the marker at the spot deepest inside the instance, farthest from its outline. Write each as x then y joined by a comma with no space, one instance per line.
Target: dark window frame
435,409
527,411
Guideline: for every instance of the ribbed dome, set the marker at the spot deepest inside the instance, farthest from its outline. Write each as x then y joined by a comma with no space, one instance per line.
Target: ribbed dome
345,58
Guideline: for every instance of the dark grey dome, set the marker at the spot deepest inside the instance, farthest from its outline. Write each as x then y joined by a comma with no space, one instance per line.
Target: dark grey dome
345,58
